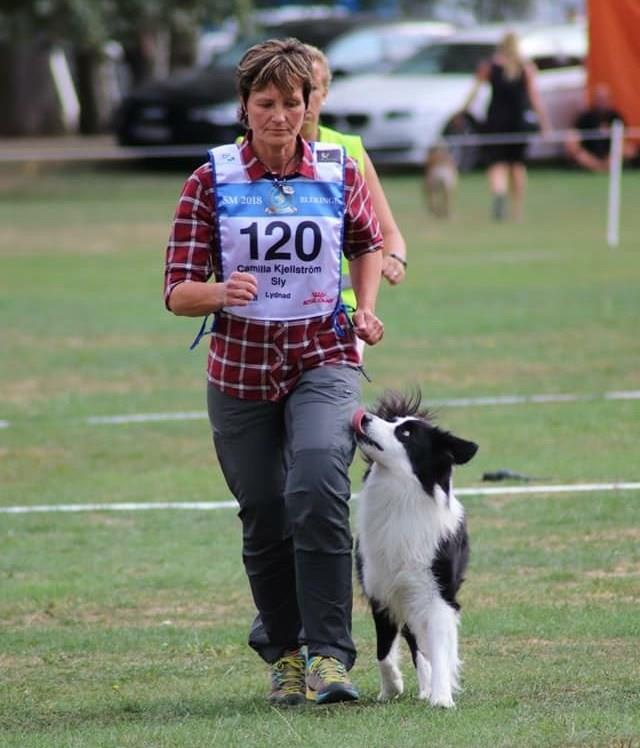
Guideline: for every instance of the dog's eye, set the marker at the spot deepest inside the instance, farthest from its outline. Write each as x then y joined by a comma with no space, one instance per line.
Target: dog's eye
404,430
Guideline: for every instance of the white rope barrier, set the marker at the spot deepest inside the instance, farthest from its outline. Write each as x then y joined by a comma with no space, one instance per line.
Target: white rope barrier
66,152
554,136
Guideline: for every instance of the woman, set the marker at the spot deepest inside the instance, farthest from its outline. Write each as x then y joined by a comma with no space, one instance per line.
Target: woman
394,251
270,219
514,91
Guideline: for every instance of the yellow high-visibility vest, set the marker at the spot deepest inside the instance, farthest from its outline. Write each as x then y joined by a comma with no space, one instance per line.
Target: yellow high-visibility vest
354,148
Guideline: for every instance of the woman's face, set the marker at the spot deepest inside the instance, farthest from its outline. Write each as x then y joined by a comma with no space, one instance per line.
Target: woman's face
318,94
274,116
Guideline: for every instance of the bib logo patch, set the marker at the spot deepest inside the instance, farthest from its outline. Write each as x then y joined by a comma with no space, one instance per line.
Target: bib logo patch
319,297
280,203
329,157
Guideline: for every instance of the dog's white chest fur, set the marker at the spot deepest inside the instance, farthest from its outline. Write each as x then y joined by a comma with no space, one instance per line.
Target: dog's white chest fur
399,530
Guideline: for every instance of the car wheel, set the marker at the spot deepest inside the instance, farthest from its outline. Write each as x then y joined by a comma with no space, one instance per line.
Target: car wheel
467,157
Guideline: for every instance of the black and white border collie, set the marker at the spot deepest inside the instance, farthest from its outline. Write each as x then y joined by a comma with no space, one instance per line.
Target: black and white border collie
412,544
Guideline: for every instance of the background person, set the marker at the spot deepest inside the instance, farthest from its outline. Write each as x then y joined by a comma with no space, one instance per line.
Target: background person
592,153
514,92
395,248
283,369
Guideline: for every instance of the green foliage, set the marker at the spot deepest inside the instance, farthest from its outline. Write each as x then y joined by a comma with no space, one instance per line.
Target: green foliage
88,24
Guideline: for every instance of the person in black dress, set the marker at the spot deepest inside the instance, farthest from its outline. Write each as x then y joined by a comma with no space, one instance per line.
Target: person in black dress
514,107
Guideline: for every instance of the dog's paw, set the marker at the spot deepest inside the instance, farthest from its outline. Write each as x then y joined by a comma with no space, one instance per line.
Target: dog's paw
443,700
388,694
391,682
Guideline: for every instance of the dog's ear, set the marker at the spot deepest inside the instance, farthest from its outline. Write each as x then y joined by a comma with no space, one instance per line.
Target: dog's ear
460,449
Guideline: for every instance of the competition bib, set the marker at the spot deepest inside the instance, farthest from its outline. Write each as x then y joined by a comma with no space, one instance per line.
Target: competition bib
287,233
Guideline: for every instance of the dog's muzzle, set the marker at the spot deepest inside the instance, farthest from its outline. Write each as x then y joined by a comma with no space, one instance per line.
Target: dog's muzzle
359,422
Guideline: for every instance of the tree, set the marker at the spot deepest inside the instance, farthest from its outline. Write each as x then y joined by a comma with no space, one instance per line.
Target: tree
147,29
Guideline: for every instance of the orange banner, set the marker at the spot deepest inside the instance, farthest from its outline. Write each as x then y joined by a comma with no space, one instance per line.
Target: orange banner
614,53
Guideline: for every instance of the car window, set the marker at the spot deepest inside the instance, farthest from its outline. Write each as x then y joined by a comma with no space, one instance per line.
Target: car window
365,47
445,58
232,56
319,32
397,48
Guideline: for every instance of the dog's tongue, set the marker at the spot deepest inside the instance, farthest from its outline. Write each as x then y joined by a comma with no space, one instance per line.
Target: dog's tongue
356,421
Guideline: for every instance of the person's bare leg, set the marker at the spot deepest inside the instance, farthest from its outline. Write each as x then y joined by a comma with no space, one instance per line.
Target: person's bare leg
498,175
518,173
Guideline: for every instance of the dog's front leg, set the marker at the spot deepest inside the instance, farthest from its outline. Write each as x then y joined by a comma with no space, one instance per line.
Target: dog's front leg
391,681
423,669
439,640
388,653
421,664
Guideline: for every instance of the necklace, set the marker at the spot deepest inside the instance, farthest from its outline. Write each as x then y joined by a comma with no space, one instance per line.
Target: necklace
281,181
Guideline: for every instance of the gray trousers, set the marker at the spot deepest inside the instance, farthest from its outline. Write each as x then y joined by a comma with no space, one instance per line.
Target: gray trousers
287,465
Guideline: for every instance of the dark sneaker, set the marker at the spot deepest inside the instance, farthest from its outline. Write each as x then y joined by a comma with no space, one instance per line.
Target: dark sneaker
288,684
328,682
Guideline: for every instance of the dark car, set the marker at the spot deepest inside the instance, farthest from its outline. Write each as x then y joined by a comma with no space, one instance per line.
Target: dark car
181,109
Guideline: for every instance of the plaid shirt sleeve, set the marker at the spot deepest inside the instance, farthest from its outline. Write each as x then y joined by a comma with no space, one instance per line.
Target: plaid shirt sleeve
362,230
189,256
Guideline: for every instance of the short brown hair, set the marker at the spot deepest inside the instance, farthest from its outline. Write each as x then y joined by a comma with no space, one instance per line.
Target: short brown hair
284,62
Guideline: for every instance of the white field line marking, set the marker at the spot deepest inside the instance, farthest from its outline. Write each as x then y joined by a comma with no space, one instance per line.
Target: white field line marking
460,402
121,507
147,417
213,505
451,403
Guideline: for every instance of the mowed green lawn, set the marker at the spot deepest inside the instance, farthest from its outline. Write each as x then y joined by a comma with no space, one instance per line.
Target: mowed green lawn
129,628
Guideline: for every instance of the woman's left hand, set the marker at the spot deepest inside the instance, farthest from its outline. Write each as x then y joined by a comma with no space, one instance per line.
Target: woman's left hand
393,270
367,326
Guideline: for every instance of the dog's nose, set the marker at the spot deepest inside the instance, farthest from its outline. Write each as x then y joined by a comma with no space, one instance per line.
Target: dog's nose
359,419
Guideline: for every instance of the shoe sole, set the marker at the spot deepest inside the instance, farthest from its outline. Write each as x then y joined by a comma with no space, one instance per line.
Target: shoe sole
332,696
296,699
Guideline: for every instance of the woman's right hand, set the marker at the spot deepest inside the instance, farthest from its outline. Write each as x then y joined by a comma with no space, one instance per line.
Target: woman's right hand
239,289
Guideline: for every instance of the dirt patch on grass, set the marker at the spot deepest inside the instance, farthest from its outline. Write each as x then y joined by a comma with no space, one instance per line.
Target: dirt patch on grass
36,456
621,571
69,239
183,614
612,536
16,662
25,392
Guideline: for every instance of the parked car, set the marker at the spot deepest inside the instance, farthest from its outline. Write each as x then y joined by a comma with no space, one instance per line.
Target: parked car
181,109
401,114
380,46
213,41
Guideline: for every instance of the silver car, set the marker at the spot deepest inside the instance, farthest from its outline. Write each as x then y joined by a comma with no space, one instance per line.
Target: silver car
379,47
401,114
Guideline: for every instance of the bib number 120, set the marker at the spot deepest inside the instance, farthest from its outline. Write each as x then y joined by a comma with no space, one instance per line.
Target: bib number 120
307,240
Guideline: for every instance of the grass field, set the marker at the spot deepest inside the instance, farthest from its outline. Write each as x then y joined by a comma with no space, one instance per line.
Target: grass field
128,628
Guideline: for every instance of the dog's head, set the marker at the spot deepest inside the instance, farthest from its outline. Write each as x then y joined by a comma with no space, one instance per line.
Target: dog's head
439,154
400,436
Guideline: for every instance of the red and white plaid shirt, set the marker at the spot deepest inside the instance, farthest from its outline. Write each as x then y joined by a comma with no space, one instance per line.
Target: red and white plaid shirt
252,359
